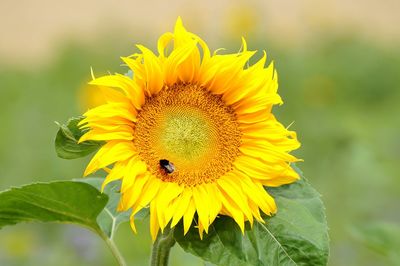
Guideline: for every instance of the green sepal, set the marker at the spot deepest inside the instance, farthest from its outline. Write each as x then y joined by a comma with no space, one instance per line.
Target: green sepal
66,142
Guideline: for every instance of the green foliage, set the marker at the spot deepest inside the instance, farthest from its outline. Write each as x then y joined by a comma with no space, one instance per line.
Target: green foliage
382,238
60,201
296,235
66,142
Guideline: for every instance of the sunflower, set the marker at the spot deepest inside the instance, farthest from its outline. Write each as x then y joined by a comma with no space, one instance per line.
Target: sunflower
191,134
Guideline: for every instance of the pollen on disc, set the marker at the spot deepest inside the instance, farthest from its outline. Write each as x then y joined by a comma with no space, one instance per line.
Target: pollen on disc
190,127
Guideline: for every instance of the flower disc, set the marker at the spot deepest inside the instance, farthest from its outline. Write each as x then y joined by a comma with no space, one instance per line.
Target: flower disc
182,124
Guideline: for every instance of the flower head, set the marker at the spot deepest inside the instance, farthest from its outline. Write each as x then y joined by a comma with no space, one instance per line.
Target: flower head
192,132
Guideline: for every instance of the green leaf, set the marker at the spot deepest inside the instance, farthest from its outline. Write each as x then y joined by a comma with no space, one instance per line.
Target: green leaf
296,235
109,219
60,201
67,137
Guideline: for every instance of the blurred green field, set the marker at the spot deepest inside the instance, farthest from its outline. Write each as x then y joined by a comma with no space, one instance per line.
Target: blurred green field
342,93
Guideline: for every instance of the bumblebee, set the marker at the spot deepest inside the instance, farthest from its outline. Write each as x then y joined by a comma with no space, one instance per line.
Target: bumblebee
166,166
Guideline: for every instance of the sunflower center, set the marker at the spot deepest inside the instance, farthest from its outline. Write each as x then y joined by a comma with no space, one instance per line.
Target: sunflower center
185,135
190,128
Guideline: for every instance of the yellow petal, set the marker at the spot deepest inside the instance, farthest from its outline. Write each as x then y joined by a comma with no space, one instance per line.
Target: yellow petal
171,209
104,122
184,201
116,173
233,210
169,192
154,226
135,168
188,216
132,194
255,193
255,211
147,70
135,63
236,194
268,199
257,103
181,36
201,229
279,144
109,126
130,88
174,61
270,133
261,96
99,134
189,68
132,223
148,193
287,177
110,110
258,169
266,153
109,153
163,42
250,82
255,117
215,199
223,72
201,200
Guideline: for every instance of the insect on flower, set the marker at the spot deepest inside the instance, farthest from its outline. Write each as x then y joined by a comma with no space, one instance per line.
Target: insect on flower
166,166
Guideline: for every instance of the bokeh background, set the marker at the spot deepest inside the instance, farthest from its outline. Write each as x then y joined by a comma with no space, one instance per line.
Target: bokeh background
339,66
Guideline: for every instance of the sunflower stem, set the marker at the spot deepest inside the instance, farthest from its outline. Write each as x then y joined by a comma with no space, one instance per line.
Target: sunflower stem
114,250
161,248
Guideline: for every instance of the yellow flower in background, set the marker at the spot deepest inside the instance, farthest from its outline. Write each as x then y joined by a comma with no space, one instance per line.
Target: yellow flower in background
192,132
243,19
89,97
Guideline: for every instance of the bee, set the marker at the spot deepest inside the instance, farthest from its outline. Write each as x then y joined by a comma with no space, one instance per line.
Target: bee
166,166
